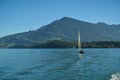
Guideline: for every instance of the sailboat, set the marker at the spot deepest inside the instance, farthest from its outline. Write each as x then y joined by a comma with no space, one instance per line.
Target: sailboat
79,44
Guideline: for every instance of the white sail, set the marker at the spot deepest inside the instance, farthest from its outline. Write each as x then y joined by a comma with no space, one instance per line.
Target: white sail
79,47
79,42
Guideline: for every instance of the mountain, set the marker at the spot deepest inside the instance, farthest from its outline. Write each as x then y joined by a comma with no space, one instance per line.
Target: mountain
64,29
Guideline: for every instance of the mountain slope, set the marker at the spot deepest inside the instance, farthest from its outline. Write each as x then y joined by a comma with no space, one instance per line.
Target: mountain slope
64,29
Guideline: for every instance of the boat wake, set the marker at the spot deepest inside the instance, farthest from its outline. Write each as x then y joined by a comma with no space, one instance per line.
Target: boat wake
115,76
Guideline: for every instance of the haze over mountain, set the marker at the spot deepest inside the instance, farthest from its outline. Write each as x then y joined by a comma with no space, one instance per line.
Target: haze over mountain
64,29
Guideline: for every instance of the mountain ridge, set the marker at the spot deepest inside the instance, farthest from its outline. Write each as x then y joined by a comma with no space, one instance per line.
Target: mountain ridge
64,29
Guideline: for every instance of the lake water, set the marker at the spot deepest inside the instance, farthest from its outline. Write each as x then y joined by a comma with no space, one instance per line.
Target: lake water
59,64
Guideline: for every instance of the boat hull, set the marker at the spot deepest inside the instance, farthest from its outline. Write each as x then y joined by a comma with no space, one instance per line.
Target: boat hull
81,51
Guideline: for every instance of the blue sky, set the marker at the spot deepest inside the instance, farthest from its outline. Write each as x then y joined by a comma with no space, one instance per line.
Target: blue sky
24,15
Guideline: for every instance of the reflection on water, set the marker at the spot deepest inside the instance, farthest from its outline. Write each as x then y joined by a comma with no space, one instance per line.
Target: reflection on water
59,64
80,56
